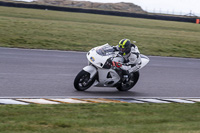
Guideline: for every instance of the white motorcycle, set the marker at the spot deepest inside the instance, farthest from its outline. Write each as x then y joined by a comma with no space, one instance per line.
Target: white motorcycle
101,73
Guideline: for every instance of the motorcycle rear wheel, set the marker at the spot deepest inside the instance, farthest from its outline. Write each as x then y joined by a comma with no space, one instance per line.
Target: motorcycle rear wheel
130,84
82,81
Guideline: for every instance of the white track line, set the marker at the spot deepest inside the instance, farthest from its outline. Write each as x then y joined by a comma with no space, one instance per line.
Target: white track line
69,100
179,100
153,100
38,101
11,101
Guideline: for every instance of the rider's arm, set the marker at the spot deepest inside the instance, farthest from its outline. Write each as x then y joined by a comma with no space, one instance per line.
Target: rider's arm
133,64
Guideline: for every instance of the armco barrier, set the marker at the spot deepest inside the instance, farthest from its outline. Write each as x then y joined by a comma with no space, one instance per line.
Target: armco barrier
93,11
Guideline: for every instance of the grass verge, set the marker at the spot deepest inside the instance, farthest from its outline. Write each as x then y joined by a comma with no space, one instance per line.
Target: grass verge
44,29
98,118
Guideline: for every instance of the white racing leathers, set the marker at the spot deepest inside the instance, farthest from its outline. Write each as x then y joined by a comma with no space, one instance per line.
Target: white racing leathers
132,60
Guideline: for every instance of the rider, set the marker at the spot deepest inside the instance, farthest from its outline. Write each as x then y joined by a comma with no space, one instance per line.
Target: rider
131,55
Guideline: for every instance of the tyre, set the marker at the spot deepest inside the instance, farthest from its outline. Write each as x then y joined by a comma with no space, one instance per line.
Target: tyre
82,81
129,84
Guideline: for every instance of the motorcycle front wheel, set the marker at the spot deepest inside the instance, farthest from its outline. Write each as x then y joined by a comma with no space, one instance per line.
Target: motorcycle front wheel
129,84
82,81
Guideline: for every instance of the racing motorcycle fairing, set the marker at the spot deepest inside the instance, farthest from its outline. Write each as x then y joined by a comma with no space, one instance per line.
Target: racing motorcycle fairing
107,77
144,60
100,69
99,55
91,70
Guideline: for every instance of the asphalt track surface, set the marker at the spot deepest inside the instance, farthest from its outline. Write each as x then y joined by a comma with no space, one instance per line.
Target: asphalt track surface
50,73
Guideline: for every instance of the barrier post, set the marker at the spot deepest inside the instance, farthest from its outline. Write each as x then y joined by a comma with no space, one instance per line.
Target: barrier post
197,21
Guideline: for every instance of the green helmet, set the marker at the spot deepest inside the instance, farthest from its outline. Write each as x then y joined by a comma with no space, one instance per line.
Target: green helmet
124,46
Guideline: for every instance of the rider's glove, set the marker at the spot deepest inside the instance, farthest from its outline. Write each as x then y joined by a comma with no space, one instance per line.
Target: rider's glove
115,48
116,64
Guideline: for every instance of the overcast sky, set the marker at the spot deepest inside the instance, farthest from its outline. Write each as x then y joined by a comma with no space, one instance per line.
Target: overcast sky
171,6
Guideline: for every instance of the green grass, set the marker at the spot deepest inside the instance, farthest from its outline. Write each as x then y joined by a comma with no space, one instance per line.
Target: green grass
44,29
101,118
